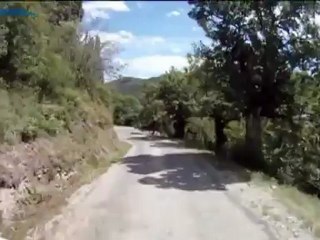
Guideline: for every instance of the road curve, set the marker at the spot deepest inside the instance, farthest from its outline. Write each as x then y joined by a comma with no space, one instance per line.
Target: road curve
160,191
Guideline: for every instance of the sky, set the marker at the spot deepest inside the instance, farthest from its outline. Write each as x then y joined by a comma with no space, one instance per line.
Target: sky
151,36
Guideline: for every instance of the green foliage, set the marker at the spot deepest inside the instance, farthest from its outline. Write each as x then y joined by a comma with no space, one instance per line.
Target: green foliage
292,148
259,79
255,87
235,131
169,103
201,130
126,110
254,54
51,77
132,86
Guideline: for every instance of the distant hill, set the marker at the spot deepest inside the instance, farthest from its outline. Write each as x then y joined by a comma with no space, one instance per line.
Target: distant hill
131,85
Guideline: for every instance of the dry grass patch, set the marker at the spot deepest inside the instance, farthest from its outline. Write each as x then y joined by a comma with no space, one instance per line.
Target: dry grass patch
304,206
75,159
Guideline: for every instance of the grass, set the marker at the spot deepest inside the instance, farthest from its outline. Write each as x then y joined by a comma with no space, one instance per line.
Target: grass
304,206
79,138
90,170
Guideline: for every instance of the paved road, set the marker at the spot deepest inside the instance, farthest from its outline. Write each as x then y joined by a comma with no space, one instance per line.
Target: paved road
161,191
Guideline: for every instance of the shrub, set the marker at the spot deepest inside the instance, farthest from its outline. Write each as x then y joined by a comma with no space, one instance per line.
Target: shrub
235,131
201,131
292,155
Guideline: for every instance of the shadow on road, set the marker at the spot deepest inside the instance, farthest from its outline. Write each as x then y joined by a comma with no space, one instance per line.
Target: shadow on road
157,141
145,137
136,133
185,171
170,144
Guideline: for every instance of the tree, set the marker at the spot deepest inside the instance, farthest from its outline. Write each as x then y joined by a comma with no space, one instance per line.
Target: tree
152,114
169,103
176,93
47,60
210,96
255,48
126,110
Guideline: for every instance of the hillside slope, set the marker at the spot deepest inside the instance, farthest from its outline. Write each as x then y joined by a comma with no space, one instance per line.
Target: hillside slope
56,125
131,85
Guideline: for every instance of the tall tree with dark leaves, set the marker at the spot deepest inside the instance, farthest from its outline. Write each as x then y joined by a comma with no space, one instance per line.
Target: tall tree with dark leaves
256,46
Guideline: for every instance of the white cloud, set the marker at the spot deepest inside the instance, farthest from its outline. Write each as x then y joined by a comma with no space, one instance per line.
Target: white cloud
117,6
156,53
99,14
100,9
116,37
174,13
124,38
154,65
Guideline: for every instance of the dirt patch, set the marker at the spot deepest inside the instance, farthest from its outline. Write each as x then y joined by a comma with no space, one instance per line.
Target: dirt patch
289,208
260,199
37,177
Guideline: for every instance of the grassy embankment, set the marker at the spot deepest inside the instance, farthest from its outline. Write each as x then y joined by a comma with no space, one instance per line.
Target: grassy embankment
56,161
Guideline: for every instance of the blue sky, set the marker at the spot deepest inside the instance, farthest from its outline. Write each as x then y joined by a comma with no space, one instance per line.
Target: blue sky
150,36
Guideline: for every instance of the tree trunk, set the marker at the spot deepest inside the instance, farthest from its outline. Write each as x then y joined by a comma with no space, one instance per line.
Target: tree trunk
254,133
221,138
179,126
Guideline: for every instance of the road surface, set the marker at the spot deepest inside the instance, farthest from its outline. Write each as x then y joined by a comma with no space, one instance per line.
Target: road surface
160,191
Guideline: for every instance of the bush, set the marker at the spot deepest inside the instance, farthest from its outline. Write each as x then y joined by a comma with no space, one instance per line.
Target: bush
7,115
201,130
50,78
167,127
29,133
292,155
126,110
235,131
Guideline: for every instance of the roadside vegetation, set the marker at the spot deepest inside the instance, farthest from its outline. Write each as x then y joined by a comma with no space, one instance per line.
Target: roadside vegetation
56,125
253,93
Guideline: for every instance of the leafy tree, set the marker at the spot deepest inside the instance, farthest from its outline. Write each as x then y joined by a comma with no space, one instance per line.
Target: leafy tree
47,60
201,130
176,94
255,48
173,99
153,112
126,110
210,97
292,148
